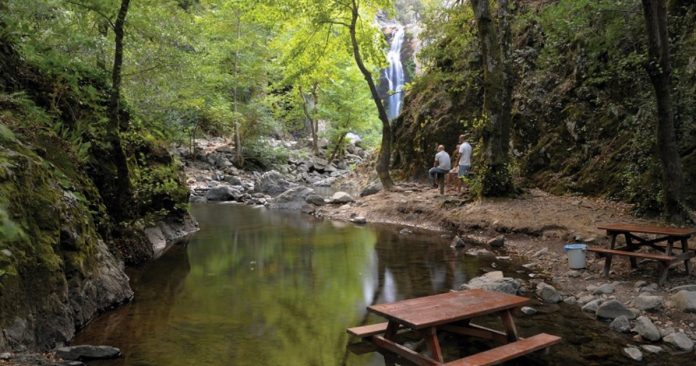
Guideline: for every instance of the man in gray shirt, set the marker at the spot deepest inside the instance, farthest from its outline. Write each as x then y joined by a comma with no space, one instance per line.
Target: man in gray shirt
442,164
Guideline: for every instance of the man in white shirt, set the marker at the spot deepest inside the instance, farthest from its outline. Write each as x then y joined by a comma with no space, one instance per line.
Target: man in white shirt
441,165
464,156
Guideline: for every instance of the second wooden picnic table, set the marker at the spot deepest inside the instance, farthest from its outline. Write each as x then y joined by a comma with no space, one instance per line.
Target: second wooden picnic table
667,256
452,312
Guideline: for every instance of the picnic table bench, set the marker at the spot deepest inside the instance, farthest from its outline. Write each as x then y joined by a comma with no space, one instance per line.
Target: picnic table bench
666,256
452,312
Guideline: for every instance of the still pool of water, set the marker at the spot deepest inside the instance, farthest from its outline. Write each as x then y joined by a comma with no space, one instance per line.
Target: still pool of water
260,287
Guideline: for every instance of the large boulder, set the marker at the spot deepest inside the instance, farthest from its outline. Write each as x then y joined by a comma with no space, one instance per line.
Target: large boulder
272,183
223,193
647,302
292,199
494,281
341,198
371,189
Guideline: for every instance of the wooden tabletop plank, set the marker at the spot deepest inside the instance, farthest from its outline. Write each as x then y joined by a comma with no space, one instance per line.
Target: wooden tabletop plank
447,308
648,229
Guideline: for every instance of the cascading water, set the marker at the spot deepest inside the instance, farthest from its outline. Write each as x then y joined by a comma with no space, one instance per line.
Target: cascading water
395,73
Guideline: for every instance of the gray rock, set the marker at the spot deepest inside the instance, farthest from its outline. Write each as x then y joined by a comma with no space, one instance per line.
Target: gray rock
685,301
223,193
574,274
586,299
497,242
87,352
649,288
197,199
341,198
592,306
681,341
272,183
292,199
607,288
358,220
315,199
5,356
613,309
548,293
528,310
457,242
231,179
640,283
633,353
479,252
371,189
683,287
651,348
494,281
570,300
647,302
620,324
646,329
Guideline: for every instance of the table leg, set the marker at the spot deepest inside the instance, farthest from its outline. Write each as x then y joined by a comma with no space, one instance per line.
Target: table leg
630,247
670,245
390,332
685,250
607,257
663,274
509,324
433,343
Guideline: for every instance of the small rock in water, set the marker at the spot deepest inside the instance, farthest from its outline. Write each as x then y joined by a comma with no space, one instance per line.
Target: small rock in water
457,242
497,242
405,231
651,348
681,341
633,353
528,310
358,220
620,324
87,352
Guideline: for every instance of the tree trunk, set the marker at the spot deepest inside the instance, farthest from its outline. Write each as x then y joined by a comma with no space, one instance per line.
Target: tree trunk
338,146
120,208
238,157
660,71
383,160
497,85
308,104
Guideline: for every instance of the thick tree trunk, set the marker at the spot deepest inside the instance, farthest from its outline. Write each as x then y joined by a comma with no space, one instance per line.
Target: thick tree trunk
120,208
660,71
497,85
383,160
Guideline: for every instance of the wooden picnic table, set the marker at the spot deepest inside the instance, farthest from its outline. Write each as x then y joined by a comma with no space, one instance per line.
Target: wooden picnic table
667,257
453,312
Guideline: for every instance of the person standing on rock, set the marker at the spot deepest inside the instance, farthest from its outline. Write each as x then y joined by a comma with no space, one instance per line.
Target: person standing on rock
441,165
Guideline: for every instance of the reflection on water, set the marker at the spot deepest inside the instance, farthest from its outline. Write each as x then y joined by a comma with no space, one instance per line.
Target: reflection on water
258,287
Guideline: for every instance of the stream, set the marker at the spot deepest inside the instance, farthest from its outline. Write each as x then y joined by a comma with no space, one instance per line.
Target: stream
263,287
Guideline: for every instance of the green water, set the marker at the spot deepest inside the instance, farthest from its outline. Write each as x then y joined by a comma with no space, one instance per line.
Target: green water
260,287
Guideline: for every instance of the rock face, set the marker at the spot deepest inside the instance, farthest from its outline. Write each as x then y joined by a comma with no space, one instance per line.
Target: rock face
59,273
685,301
494,281
87,352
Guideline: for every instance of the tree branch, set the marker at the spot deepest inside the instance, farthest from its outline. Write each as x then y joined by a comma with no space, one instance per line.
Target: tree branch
95,10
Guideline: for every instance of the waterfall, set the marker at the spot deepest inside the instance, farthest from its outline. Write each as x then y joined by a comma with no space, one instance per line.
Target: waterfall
395,73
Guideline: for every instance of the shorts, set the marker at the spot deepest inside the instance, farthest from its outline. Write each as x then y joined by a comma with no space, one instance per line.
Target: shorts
463,170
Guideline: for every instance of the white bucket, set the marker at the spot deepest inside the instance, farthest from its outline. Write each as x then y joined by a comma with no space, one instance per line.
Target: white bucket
576,255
